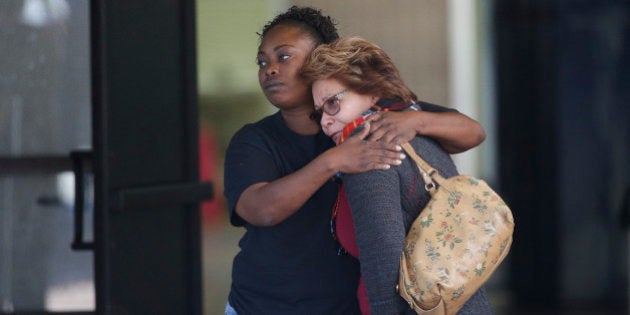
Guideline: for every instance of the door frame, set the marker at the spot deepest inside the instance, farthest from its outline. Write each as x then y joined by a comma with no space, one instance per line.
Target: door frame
116,197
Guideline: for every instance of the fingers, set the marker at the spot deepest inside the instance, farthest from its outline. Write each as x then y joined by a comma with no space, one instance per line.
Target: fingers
385,135
376,123
391,127
382,130
385,161
391,158
396,138
389,162
384,154
383,146
360,155
391,134
374,147
371,148
365,131
374,117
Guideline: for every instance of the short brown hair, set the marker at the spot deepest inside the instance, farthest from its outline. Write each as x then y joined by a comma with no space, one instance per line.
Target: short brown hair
360,65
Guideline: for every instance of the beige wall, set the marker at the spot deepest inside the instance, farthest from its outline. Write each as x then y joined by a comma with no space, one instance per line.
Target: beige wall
412,32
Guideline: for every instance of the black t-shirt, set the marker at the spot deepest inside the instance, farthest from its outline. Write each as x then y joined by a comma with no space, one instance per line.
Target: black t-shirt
292,267
433,108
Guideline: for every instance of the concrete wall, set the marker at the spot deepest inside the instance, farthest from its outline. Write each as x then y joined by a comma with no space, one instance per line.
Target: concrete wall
414,34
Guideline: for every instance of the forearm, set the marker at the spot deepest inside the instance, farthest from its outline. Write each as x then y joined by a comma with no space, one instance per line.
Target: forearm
269,203
454,131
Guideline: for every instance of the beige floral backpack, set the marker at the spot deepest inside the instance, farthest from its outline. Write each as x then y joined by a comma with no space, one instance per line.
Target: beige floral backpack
456,243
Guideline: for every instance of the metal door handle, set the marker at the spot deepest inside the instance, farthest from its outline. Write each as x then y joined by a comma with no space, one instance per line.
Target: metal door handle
78,165
179,193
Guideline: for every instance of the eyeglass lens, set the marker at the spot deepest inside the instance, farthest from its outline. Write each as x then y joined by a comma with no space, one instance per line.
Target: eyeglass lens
331,105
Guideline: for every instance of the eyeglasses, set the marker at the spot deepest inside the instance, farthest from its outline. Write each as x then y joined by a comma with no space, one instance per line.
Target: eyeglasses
331,105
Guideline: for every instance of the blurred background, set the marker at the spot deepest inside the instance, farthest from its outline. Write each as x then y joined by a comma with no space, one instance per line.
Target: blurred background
548,80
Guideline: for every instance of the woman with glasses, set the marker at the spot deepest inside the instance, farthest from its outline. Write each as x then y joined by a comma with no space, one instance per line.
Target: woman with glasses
278,180
351,80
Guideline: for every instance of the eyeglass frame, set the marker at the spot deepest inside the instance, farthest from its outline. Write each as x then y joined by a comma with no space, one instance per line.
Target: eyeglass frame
334,98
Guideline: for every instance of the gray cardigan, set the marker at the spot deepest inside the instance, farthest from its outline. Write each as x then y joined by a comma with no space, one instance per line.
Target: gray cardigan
384,204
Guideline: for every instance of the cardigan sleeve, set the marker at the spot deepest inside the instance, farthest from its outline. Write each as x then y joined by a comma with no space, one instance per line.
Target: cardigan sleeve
375,202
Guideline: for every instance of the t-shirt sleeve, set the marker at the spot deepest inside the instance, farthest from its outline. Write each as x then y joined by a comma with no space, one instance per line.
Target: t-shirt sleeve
434,108
248,160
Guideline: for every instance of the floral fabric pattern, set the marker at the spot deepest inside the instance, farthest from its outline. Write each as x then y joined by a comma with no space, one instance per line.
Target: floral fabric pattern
454,246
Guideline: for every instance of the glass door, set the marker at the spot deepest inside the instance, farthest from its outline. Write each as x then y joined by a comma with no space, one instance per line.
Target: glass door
45,114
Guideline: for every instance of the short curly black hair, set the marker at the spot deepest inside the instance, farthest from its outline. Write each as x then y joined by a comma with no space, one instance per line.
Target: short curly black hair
322,28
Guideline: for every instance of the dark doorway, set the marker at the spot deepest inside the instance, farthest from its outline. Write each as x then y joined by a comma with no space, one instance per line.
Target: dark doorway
563,85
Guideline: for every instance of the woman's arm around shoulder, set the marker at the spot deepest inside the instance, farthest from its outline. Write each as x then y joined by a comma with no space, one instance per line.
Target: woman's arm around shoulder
267,203
455,131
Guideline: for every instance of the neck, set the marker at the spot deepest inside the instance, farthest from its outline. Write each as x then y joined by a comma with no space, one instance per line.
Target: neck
299,121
